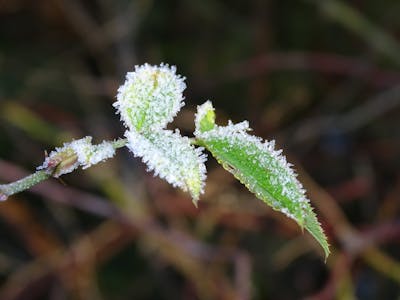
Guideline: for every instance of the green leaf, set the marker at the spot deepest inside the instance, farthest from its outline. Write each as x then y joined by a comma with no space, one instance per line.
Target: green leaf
171,157
263,170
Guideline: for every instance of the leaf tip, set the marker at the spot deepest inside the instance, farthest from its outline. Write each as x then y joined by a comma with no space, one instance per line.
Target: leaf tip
314,227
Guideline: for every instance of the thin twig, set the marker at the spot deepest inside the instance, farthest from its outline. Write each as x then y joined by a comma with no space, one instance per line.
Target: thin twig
29,181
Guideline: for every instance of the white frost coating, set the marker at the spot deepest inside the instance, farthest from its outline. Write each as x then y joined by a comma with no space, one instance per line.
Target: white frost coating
77,153
150,97
89,154
56,158
172,158
263,153
148,100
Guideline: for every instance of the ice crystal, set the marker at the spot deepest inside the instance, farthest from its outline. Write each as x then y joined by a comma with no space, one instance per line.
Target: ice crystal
77,153
150,97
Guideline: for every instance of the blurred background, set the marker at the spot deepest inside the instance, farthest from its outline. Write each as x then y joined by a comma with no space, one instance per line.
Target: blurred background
321,77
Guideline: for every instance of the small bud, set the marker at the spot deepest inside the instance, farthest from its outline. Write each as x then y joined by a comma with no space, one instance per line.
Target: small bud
74,154
61,161
205,117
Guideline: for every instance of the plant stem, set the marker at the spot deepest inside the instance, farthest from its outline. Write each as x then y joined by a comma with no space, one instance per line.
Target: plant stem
119,143
23,184
196,142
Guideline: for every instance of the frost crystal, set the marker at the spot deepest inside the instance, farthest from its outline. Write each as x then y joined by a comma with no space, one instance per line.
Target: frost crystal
171,157
77,153
150,97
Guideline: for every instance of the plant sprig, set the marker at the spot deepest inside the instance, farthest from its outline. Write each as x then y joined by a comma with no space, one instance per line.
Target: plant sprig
148,100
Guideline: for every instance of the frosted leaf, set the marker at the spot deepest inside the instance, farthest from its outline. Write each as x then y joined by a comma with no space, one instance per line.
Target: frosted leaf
262,169
77,153
150,97
172,158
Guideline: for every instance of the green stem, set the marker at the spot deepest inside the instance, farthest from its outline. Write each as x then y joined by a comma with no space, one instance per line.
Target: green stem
23,184
196,142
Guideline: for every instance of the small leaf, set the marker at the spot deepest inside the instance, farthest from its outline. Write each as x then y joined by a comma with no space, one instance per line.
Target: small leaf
263,170
150,97
205,117
171,157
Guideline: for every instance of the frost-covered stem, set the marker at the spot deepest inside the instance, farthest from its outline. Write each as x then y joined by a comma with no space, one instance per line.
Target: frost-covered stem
23,184
119,143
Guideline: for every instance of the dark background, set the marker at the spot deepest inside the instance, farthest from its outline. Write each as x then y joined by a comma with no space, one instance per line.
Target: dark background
321,77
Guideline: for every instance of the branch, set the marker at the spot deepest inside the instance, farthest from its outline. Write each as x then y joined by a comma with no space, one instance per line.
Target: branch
64,160
23,184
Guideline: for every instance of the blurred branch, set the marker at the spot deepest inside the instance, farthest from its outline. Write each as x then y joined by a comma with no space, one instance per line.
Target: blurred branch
353,242
83,25
38,239
97,37
103,243
26,120
383,263
339,275
329,63
186,254
354,21
352,120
